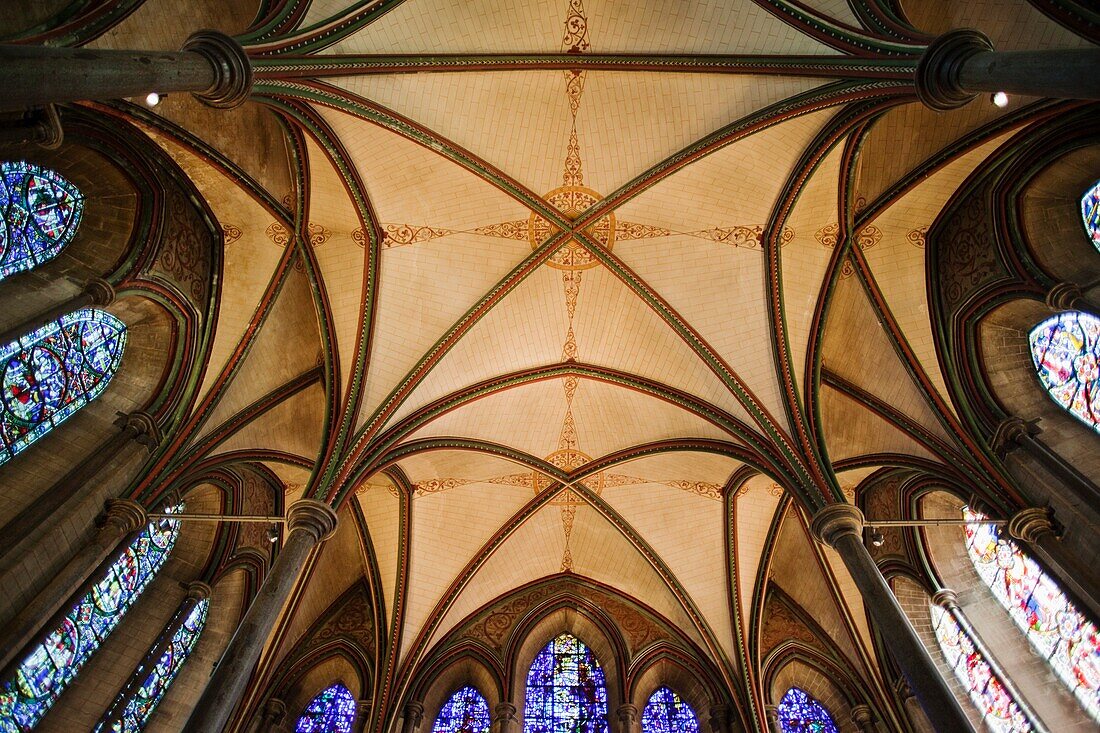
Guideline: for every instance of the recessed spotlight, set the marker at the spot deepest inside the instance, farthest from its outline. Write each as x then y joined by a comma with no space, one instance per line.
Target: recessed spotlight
152,99
1000,99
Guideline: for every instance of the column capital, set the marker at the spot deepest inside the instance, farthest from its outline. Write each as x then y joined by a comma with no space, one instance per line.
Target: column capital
274,710
125,516
902,688
232,69
143,425
1064,297
946,598
937,77
504,711
198,590
100,291
414,713
627,712
862,717
835,521
1031,524
314,517
1009,434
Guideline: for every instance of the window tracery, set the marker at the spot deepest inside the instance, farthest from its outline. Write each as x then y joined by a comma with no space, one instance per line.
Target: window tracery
1066,352
41,213
666,712
52,666
799,712
331,711
466,711
1053,625
54,371
566,690
140,705
1090,213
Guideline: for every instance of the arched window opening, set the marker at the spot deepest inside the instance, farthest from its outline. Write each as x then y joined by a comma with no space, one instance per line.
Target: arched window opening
985,689
1090,213
41,213
54,371
667,713
566,691
465,712
139,706
798,712
1057,630
1066,351
52,665
332,711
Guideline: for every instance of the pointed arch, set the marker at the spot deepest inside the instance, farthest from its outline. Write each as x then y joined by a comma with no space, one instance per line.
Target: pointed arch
566,691
41,212
1090,213
666,712
332,710
1066,352
799,712
466,711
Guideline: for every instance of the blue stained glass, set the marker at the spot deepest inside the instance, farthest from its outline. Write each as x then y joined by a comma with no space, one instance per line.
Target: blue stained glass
49,669
332,711
41,213
667,713
139,706
1090,213
1066,352
800,713
54,371
566,692
465,712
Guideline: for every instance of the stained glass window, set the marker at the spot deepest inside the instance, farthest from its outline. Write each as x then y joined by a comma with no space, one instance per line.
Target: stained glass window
1056,629
465,712
332,711
138,706
41,213
566,692
1090,213
667,713
54,371
51,666
800,713
1066,350
998,709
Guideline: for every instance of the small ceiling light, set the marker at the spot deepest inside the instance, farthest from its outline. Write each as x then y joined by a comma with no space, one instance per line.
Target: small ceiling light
1000,99
273,534
152,99
876,538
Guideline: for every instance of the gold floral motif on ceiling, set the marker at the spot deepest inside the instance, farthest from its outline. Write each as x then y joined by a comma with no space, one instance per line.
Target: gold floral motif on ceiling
916,237
280,235
230,233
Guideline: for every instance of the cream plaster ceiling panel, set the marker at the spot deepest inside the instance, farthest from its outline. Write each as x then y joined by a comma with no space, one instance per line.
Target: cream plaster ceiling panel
753,513
859,350
294,479
692,471
850,598
382,512
449,527
898,261
456,465
838,10
1011,26
655,26
852,430
269,364
293,426
249,260
655,511
797,570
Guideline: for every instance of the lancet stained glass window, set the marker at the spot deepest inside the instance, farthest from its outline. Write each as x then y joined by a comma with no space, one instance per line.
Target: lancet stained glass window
41,213
566,692
800,713
1090,213
54,371
51,666
999,711
465,712
1057,630
139,705
667,713
332,711
1066,350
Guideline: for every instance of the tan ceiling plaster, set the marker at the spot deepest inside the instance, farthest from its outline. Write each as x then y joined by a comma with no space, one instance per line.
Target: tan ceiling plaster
1011,26
382,512
293,426
851,430
753,512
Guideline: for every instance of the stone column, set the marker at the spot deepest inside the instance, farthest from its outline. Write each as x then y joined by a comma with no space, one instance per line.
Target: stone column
1069,297
961,64
912,708
504,718
309,523
414,713
196,592
948,600
1013,433
38,520
97,293
362,715
39,617
720,718
212,66
271,717
41,127
863,718
627,713
840,526
771,712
